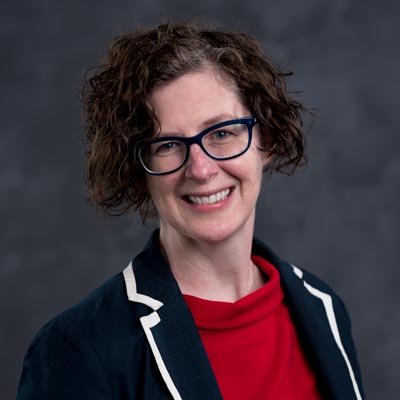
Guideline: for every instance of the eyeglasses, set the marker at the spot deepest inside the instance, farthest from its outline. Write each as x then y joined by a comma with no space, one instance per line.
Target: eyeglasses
223,141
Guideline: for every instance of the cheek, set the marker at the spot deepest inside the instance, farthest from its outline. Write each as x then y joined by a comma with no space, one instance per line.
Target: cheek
256,163
248,172
262,156
255,173
155,190
161,188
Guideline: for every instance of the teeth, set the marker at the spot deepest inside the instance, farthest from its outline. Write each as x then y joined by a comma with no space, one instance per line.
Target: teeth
210,199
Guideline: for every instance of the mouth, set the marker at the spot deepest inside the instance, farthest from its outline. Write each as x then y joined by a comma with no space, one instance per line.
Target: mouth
211,199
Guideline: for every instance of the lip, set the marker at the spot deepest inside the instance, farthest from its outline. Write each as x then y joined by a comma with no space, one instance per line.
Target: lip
209,193
210,206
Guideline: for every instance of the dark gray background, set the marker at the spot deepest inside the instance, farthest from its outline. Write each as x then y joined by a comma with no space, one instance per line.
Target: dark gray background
339,219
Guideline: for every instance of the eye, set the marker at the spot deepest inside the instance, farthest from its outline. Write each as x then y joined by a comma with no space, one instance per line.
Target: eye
166,148
221,135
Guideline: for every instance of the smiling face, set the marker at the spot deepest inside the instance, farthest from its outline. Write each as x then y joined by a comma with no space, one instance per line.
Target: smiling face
205,200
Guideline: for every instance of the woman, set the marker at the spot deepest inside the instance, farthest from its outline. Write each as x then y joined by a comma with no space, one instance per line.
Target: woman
181,123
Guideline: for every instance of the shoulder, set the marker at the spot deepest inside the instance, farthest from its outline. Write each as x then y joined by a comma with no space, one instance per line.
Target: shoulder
79,353
98,317
302,287
290,273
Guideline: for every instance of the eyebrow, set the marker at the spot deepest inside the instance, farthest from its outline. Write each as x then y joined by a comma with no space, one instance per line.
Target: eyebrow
217,119
207,123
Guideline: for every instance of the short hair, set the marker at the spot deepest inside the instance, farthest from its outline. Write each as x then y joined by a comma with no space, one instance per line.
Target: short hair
118,116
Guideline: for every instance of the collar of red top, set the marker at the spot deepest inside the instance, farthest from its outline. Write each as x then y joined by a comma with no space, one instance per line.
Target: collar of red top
220,315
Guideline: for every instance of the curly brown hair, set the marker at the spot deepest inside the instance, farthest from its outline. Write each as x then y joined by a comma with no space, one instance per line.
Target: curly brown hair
118,116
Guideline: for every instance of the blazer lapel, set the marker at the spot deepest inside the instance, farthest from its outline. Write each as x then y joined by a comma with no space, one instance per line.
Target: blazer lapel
315,319
317,322
179,352
169,327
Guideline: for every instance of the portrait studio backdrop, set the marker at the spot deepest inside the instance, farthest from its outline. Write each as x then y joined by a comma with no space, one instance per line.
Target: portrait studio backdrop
339,219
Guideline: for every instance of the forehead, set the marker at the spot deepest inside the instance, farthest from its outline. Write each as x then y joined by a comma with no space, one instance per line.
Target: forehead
196,99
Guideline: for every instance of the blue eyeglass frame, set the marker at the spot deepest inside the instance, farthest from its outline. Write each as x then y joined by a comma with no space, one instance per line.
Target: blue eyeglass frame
188,141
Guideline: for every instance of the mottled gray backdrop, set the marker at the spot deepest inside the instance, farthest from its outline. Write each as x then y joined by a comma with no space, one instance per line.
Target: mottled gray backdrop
339,219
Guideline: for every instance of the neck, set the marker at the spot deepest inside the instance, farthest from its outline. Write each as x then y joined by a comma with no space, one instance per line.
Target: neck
214,270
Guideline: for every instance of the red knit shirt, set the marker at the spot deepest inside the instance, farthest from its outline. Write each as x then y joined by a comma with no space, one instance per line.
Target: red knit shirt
253,346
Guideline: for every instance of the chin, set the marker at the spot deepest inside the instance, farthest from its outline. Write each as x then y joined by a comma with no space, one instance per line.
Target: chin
213,234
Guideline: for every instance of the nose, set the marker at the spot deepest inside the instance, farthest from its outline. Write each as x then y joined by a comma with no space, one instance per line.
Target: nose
199,166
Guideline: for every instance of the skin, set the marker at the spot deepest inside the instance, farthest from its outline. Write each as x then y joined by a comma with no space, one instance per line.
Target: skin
208,246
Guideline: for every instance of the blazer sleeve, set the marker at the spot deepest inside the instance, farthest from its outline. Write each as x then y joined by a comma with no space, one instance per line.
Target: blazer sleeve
61,364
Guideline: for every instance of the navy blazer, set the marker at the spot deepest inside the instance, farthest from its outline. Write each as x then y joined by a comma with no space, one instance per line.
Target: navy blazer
135,338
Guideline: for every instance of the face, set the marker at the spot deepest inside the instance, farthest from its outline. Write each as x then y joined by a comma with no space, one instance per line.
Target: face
185,107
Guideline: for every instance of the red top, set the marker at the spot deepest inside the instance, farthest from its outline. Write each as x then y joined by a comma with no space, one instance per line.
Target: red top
253,346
